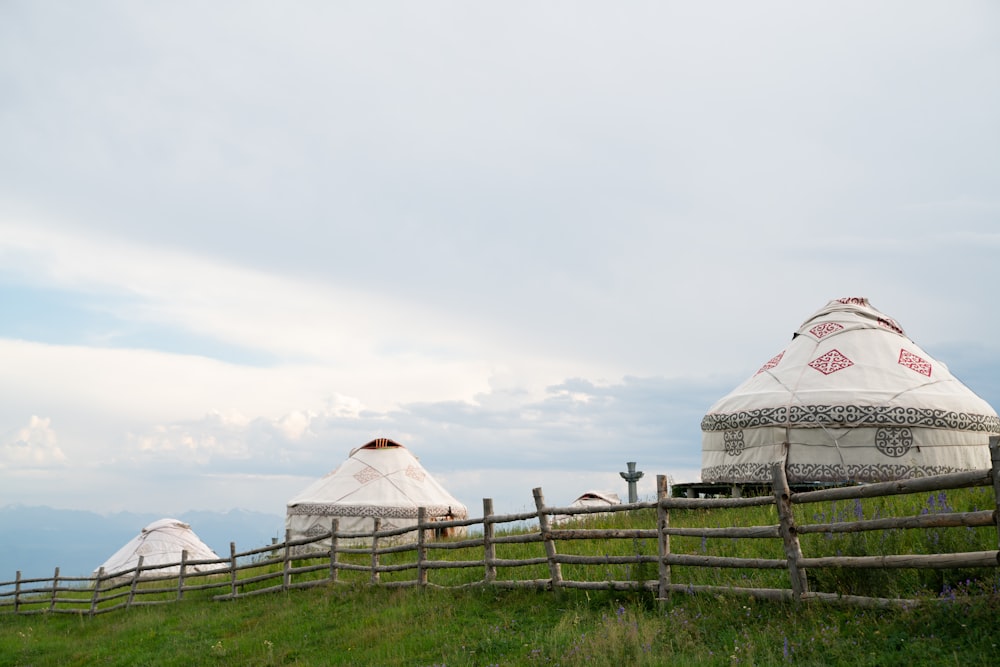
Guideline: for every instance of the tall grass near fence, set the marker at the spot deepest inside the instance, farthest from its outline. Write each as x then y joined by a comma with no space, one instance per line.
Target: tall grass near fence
895,540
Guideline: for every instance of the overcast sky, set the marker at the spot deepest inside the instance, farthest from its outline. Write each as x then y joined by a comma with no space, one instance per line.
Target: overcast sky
530,241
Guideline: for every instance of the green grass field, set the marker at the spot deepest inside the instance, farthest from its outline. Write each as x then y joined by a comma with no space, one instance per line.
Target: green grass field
352,623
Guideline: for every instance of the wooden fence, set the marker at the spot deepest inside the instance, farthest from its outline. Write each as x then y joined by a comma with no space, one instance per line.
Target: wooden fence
302,565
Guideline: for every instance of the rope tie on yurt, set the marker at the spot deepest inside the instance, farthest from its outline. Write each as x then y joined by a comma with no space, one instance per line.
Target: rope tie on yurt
793,397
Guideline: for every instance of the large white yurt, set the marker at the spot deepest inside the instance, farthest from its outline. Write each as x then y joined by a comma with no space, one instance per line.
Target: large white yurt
850,398
380,479
161,545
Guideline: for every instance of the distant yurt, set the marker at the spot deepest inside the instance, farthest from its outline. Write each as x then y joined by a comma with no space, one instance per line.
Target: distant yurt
589,499
161,545
850,399
380,479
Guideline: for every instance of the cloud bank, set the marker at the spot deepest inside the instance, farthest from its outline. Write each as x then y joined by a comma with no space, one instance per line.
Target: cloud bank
530,242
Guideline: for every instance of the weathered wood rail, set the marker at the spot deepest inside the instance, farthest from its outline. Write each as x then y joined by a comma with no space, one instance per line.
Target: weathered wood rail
304,564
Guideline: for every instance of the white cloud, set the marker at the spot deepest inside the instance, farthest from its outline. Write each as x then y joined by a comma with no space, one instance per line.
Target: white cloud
185,446
386,350
32,446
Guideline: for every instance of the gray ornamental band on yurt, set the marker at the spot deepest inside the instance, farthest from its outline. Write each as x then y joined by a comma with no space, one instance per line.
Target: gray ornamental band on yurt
818,416
850,398
818,472
381,511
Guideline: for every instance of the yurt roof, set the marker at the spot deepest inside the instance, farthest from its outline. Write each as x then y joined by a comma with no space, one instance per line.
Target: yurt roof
377,478
849,397
160,543
593,497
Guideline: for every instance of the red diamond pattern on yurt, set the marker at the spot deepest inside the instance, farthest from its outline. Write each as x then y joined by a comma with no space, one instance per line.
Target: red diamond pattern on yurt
825,329
367,474
771,363
915,363
414,473
831,362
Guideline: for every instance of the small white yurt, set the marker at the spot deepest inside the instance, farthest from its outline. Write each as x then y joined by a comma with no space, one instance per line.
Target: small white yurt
596,499
602,499
162,543
380,479
850,398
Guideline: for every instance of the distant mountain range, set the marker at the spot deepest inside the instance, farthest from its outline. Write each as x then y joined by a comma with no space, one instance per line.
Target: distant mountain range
36,540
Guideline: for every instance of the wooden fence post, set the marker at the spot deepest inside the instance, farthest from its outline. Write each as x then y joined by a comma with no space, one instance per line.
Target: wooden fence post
421,547
555,570
786,527
55,587
17,592
180,578
995,460
334,570
97,591
489,548
377,525
663,543
135,582
286,565
232,569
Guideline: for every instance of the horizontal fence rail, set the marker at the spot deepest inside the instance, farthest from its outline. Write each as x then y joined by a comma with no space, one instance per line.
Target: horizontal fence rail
407,556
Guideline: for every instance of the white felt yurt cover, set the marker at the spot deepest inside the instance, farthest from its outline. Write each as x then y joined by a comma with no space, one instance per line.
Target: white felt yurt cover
380,479
161,545
851,398
596,499
589,499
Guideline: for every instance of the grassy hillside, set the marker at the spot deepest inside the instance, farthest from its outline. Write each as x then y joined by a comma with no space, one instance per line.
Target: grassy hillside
355,624
378,626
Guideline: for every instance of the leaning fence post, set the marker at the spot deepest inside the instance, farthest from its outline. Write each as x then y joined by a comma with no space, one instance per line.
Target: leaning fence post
489,548
421,547
17,592
97,590
180,577
334,570
995,472
786,521
55,588
135,582
377,525
550,546
663,543
232,569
